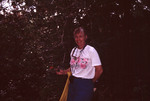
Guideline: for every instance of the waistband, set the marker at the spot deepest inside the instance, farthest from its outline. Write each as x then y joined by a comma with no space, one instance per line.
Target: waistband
80,78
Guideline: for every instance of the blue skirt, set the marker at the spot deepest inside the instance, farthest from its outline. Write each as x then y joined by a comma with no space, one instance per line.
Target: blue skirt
80,90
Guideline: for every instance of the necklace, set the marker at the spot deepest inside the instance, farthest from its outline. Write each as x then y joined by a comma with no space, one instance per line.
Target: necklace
75,57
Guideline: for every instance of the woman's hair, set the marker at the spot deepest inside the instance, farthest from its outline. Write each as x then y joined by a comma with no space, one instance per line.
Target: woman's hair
78,30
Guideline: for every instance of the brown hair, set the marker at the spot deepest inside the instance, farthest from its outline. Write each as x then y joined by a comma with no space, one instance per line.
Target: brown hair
78,30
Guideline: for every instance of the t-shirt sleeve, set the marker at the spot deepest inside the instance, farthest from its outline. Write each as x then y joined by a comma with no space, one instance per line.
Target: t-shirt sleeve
95,58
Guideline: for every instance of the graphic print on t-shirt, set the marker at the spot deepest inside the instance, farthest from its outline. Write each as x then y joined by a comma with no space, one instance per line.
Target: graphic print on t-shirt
78,63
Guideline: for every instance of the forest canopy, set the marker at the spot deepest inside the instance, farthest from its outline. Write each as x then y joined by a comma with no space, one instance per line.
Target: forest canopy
37,34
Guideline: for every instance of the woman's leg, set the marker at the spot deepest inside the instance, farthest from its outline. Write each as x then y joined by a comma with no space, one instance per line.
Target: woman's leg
70,92
83,90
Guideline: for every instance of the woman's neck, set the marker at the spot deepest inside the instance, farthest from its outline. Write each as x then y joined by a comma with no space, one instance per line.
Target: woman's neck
81,47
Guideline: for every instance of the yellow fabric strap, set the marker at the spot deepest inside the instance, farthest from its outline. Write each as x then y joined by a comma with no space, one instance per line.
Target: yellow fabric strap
65,91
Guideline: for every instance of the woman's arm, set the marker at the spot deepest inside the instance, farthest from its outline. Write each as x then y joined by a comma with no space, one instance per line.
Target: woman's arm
63,72
98,72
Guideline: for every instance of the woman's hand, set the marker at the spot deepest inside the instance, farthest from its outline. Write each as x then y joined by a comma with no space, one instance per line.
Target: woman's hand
61,72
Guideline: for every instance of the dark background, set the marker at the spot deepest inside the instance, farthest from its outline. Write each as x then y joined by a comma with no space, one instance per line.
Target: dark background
32,42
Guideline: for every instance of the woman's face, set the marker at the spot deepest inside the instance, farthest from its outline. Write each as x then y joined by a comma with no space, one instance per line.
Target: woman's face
80,39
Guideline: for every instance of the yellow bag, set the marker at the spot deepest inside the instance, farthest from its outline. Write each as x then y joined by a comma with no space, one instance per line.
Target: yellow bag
65,91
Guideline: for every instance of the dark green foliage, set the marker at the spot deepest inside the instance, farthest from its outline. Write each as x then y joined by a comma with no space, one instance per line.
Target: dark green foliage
31,42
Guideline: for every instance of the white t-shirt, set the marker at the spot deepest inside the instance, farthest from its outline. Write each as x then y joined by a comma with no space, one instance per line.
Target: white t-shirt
83,61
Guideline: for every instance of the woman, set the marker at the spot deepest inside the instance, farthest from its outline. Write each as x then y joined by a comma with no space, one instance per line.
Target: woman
85,66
